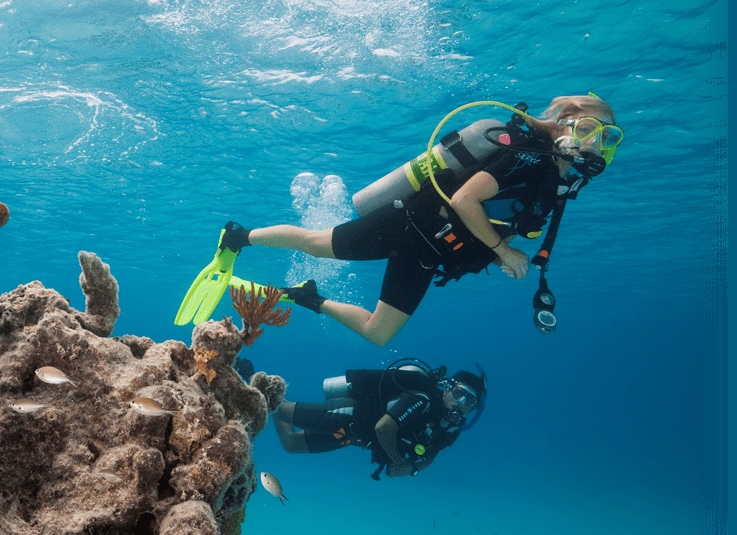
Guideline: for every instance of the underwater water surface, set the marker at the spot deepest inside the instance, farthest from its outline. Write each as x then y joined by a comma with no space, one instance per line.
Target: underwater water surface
136,129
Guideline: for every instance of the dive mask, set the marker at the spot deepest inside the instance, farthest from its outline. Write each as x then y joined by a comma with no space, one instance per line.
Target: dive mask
461,394
608,135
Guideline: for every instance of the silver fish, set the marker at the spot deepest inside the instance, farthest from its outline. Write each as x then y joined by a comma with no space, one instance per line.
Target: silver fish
25,406
108,474
53,376
150,407
272,486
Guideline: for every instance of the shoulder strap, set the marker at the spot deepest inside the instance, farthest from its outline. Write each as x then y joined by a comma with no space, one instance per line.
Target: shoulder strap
454,144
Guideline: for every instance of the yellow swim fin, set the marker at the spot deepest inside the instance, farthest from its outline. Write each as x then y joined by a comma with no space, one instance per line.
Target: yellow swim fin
208,288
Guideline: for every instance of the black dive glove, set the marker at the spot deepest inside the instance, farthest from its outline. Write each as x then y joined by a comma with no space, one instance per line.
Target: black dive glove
305,295
235,237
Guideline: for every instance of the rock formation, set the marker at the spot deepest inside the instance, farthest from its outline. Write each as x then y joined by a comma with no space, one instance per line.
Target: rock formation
88,462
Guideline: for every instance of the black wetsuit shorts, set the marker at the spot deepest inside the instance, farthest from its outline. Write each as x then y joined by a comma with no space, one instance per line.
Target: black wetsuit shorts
383,234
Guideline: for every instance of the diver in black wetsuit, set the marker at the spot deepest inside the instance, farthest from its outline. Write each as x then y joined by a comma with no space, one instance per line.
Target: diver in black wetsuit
405,415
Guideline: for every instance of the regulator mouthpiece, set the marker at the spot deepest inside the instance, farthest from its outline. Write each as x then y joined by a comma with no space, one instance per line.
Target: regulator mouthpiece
589,164
454,416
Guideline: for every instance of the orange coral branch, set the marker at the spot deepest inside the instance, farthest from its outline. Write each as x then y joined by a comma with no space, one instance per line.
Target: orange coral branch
255,311
202,357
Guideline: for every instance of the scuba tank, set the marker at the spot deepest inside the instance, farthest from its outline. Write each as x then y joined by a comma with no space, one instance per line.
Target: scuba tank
336,387
460,152
383,384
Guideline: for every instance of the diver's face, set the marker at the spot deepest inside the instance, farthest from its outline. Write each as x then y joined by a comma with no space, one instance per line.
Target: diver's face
595,134
590,140
460,397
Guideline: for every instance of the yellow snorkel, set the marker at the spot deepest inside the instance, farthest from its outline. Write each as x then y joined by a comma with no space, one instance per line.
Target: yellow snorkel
607,154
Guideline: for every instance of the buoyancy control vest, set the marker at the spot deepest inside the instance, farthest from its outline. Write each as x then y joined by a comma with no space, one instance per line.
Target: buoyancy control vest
439,236
374,389
381,386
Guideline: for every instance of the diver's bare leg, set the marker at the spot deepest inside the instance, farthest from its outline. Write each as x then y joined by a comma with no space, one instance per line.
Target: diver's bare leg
292,441
317,243
378,327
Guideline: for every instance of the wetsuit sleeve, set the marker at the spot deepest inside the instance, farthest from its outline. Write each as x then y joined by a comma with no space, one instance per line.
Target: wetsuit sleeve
408,408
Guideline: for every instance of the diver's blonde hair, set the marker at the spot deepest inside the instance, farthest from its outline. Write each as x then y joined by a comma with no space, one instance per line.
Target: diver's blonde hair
562,109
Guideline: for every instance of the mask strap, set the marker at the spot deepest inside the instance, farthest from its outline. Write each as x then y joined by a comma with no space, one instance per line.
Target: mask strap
481,402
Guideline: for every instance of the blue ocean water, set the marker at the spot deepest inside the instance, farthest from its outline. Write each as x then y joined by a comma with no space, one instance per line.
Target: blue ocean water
136,129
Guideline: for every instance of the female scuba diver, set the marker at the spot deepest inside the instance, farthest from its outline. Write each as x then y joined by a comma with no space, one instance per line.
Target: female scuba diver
491,181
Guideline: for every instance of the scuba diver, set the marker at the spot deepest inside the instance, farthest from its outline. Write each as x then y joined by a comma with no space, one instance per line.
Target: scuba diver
484,185
405,415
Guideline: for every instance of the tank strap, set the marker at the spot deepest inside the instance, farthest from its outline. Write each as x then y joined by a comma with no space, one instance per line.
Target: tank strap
455,145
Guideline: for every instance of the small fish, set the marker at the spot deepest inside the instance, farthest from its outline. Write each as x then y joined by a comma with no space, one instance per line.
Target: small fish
108,474
150,407
25,406
54,376
272,486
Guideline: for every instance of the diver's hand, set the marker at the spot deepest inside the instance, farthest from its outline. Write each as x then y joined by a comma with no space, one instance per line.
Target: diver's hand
405,468
515,263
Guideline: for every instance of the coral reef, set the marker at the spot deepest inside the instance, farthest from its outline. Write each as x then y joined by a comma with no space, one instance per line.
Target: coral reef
4,214
88,462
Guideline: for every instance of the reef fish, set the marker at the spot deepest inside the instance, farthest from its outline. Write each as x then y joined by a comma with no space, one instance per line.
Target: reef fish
27,405
150,407
54,376
272,486
109,474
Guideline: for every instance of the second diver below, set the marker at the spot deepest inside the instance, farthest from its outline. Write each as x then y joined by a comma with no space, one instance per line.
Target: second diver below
405,415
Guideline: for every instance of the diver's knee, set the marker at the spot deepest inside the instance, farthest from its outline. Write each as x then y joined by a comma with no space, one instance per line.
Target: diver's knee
378,338
294,442
319,243
290,446
285,411
378,333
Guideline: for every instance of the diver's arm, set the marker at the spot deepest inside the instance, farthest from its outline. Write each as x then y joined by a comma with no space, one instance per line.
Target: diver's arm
386,433
467,204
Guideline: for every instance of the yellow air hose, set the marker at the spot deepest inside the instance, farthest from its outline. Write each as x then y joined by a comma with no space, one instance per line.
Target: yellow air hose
431,173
